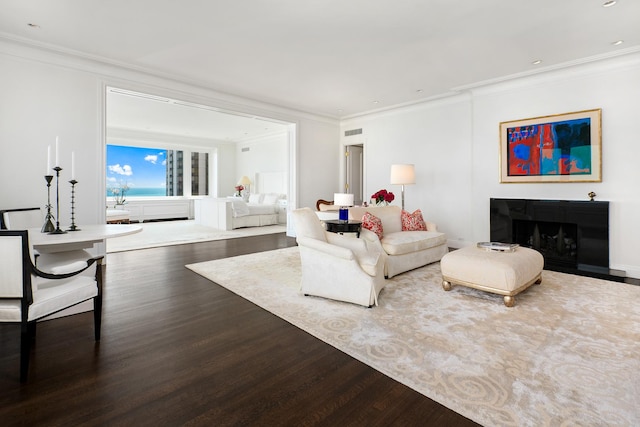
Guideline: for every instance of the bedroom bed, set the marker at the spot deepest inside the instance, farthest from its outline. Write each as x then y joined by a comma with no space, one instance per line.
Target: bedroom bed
233,212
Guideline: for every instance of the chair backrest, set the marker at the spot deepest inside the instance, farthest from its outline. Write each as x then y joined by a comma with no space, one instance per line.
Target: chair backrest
307,224
13,247
22,219
326,205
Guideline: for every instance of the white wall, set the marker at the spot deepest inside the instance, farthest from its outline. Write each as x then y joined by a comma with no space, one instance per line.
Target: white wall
268,154
454,144
47,94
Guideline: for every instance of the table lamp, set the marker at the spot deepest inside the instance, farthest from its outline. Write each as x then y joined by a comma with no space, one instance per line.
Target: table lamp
245,182
343,200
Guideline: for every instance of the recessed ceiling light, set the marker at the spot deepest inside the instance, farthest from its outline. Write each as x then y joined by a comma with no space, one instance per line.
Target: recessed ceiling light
609,3
419,91
537,62
375,102
617,42
32,25
340,110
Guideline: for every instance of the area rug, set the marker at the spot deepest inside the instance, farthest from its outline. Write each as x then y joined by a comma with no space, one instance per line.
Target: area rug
567,354
165,233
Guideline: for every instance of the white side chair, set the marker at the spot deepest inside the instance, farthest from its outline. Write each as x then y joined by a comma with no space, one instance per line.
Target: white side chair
335,266
29,218
28,294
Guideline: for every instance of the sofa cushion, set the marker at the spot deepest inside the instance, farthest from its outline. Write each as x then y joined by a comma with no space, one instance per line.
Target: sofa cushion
389,215
413,221
404,242
373,223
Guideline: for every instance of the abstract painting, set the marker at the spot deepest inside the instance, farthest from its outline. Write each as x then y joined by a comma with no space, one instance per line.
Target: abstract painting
559,148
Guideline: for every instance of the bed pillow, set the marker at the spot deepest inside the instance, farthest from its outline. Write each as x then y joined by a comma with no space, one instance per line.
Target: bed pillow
270,199
255,198
239,208
373,223
413,221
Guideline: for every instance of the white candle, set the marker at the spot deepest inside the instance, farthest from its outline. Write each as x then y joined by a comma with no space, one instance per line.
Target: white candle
57,152
73,165
48,160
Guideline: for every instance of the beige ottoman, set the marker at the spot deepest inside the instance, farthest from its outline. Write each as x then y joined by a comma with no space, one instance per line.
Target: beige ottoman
503,273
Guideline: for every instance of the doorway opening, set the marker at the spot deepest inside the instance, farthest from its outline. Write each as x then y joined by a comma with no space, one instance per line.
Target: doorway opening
234,144
354,172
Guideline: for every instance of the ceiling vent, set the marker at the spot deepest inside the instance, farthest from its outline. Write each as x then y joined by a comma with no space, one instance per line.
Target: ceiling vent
245,149
353,132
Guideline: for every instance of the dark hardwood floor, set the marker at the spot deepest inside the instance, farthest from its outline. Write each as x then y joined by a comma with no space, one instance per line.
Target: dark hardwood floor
177,349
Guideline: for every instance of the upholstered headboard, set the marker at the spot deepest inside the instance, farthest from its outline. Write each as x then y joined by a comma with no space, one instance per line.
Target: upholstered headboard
270,182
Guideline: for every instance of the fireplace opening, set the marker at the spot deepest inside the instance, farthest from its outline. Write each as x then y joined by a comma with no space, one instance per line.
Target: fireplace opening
557,242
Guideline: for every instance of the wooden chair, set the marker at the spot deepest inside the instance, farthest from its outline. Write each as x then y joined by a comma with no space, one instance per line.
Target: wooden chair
28,294
323,202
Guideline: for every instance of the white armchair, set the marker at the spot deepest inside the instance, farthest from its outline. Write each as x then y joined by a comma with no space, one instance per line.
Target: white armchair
336,266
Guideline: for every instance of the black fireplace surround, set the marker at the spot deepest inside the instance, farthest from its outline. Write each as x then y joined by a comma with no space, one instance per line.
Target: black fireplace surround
573,236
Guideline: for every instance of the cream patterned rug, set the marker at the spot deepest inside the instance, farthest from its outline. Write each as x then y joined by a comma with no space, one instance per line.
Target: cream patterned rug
165,233
567,354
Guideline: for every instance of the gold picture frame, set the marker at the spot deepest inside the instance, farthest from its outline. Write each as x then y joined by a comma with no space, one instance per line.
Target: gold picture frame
558,148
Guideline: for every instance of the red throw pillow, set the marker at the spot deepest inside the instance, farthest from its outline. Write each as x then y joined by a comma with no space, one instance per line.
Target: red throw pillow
413,222
373,223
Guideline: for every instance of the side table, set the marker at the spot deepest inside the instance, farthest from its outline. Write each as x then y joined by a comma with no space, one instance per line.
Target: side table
337,226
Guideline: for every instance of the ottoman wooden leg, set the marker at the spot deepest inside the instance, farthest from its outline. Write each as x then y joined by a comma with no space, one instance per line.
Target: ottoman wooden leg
446,285
509,301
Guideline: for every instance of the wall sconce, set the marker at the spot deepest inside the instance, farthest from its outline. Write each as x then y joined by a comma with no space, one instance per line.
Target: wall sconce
343,200
403,175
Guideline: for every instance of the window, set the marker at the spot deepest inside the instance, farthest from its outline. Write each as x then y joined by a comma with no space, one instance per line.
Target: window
155,172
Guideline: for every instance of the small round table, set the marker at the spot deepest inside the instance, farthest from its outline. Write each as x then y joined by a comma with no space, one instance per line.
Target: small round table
339,226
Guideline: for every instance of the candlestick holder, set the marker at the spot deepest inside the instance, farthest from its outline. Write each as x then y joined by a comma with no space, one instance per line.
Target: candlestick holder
57,230
73,227
48,224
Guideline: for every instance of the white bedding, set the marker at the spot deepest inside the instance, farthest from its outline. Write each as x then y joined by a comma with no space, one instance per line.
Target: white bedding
231,213
240,208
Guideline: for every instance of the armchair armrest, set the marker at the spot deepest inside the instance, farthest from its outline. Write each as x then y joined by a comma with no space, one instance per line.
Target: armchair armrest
66,271
327,248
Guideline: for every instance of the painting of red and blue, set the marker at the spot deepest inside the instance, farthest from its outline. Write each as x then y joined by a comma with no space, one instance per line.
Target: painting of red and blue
546,150
560,148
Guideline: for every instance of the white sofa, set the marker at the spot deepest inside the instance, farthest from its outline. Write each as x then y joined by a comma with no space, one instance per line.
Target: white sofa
234,212
403,250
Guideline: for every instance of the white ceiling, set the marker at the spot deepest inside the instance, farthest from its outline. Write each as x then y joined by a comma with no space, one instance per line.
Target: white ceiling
135,115
331,57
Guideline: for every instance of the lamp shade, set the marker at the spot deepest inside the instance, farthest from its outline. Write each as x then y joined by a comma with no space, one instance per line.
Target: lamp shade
403,174
244,180
343,199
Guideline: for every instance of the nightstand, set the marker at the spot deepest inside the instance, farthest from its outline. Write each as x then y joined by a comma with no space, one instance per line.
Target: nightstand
282,211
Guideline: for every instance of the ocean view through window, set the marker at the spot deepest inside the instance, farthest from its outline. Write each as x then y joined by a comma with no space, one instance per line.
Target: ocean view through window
139,171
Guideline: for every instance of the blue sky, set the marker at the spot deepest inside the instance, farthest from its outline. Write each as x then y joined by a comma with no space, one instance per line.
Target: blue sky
136,166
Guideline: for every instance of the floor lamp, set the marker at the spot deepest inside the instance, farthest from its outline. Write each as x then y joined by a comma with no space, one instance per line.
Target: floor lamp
403,175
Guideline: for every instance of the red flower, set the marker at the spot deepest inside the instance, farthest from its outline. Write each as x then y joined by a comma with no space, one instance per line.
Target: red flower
383,196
